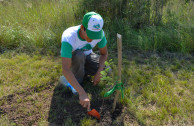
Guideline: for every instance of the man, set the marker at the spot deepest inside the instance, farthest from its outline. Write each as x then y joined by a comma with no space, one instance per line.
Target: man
78,59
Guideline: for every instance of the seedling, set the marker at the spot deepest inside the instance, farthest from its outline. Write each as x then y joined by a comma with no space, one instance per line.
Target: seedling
119,84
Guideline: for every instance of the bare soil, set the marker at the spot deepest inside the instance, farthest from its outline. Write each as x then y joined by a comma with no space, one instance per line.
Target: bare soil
69,107
57,106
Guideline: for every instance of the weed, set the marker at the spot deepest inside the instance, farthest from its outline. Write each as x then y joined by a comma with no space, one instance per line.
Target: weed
88,122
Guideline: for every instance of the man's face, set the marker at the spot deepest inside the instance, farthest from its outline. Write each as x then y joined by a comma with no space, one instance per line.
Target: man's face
84,35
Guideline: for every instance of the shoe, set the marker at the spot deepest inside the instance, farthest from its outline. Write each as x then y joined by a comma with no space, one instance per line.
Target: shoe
65,83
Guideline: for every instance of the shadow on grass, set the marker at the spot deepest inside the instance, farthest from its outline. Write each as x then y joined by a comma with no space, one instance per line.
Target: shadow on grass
65,107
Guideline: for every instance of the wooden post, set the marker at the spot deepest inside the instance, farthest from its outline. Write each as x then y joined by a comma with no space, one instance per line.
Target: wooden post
119,47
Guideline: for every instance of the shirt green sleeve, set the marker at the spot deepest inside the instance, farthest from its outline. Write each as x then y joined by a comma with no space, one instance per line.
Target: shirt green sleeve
66,50
102,43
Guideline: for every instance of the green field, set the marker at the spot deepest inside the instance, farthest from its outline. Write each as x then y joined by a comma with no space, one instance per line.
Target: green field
157,71
158,91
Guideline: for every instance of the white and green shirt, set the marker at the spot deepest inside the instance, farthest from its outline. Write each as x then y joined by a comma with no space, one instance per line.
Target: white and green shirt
72,41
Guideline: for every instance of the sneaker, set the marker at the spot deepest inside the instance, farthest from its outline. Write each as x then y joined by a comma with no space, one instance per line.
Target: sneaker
65,83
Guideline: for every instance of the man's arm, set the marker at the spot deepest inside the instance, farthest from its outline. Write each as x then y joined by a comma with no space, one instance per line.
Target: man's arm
66,64
103,58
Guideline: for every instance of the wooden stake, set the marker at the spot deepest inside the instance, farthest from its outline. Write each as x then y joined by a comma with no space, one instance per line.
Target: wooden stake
119,46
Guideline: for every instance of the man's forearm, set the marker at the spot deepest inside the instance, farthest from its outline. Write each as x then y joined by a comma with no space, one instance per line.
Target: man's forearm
102,59
72,80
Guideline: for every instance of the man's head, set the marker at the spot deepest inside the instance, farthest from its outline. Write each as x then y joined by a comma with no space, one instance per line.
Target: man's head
93,23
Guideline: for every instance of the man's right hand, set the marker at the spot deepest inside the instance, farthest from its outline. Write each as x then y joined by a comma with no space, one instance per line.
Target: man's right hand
84,101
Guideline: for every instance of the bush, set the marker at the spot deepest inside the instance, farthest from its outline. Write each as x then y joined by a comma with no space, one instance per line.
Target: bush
146,25
37,26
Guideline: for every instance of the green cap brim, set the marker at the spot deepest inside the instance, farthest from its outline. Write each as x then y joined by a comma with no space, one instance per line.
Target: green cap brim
94,35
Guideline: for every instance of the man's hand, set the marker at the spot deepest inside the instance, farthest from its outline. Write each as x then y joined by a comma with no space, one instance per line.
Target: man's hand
103,58
85,101
96,79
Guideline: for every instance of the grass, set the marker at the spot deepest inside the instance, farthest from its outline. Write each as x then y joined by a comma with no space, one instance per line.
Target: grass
158,86
158,90
19,72
37,26
34,26
137,22
155,93
5,121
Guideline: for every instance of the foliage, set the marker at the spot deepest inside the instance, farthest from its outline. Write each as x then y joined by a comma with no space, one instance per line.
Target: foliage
165,25
108,77
104,74
36,26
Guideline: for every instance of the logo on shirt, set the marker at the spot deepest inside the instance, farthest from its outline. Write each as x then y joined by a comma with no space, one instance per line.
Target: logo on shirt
86,47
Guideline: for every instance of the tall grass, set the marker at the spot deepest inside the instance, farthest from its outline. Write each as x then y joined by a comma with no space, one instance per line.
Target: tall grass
31,26
147,25
36,26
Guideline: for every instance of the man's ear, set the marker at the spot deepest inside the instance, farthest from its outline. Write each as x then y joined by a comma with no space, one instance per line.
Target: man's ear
82,28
